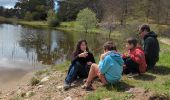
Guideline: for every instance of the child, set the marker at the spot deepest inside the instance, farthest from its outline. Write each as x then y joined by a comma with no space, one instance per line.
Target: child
109,69
81,61
135,59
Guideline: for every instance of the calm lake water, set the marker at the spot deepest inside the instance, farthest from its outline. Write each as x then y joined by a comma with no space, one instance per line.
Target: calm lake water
25,49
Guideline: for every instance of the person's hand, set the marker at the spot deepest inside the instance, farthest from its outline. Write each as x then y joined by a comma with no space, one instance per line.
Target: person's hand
84,55
89,63
125,55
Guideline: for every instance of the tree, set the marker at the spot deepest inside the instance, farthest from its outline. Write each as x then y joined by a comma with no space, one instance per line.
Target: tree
52,19
109,24
28,16
87,19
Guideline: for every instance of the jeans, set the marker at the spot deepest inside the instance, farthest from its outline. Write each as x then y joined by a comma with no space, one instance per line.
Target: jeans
131,66
76,70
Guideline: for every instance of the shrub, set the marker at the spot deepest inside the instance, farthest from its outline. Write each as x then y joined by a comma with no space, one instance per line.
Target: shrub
28,16
52,19
34,81
87,19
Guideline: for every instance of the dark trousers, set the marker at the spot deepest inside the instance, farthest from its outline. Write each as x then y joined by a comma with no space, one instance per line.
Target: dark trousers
131,66
150,64
77,70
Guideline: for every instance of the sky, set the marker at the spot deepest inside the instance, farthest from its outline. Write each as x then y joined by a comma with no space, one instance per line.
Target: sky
11,3
7,3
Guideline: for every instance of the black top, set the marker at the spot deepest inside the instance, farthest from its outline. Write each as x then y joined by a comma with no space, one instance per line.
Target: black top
151,48
82,60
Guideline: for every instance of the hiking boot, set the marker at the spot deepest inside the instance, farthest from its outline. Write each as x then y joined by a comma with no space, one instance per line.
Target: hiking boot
66,86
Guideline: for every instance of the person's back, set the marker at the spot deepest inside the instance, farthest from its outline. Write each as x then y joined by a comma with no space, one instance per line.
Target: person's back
112,67
151,45
151,48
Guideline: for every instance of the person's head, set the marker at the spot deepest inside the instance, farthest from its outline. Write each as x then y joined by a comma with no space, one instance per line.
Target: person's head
131,43
143,30
82,46
109,46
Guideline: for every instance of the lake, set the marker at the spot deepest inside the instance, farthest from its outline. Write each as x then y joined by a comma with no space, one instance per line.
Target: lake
25,49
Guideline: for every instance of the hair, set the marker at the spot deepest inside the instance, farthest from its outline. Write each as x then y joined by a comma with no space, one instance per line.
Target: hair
144,27
133,41
78,49
109,46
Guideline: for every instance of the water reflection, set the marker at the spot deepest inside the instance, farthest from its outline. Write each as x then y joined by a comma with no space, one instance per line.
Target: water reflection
32,46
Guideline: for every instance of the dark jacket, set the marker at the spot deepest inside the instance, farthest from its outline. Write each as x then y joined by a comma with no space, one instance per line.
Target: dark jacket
151,48
83,61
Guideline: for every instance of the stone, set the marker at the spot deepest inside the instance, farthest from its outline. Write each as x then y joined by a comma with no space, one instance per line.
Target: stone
45,79
29,93
68,98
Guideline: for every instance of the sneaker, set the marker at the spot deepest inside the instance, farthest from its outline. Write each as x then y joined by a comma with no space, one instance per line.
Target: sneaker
131,75
87,88
66,86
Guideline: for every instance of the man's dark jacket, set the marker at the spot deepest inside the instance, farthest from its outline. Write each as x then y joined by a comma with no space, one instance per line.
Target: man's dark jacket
151,48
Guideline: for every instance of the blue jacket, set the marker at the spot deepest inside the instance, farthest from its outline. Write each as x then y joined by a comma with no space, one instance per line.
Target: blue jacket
112,66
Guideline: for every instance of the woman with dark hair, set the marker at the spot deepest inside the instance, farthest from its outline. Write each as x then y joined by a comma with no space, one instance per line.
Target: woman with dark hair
81,61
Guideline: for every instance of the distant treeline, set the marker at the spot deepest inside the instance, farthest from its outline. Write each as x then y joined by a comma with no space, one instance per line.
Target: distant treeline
153,11
38,9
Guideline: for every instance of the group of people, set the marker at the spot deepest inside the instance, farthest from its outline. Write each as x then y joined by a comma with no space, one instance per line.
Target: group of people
112,64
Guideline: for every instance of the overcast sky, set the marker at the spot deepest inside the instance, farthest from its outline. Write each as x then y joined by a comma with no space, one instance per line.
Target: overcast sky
7,3
11,3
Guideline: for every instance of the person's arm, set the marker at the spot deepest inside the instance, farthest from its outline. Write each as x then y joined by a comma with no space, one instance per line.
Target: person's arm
75,57
104,64
137,57
147,45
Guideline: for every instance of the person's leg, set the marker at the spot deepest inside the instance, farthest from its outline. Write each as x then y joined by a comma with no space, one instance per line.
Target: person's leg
92,74
72,73
131,66
150,65
82,73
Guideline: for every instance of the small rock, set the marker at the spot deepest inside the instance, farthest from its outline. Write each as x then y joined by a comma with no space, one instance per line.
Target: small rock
19,92
40,86
29,93
68,98
60,87
45,79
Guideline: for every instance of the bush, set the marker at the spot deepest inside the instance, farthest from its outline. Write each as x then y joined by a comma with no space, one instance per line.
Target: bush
87,19
34,81
28,16
52,19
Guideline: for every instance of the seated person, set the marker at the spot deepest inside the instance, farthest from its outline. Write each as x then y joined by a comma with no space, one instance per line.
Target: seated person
135,58
109,69
81,61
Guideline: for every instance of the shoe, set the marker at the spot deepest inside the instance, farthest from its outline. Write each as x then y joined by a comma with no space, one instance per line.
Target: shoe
87,88
131,75
66,86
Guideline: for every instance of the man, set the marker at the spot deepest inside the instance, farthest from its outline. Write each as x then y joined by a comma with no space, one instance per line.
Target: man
151,45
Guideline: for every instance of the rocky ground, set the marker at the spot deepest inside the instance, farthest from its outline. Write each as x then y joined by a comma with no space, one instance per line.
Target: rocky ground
50,87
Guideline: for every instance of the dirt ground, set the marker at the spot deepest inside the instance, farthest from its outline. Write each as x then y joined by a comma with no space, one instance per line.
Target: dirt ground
52,89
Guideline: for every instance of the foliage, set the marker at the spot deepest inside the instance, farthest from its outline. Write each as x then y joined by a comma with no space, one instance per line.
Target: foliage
87,19
38,8
34,81
28,16
52,19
